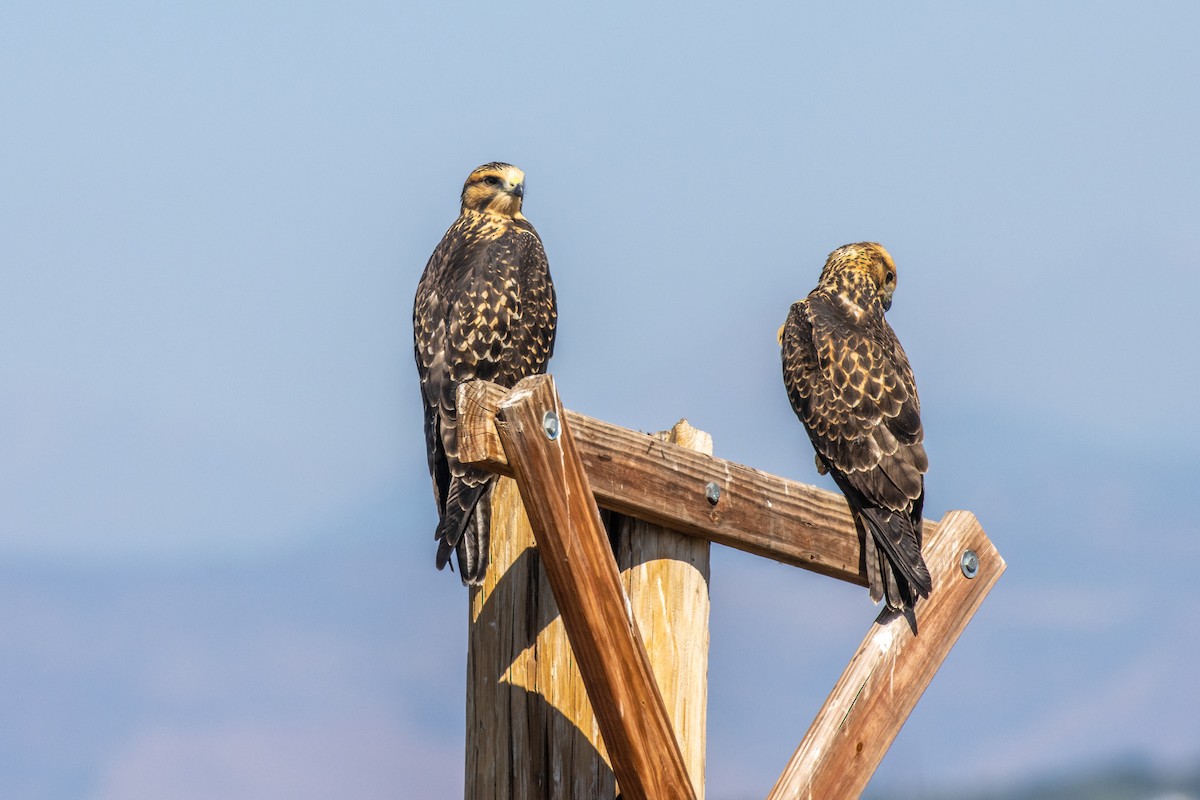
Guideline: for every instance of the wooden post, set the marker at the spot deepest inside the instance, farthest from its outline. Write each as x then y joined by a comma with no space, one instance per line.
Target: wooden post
531,730
666,576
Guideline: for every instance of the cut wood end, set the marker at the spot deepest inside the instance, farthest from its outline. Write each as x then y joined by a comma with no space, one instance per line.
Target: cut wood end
524,389
514,397
965,533
478,440
686,435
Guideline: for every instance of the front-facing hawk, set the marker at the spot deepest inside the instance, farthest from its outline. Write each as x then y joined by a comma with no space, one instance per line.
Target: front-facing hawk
484,310
850,383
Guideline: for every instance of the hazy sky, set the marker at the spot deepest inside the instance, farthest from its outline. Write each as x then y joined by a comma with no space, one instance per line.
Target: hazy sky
214,217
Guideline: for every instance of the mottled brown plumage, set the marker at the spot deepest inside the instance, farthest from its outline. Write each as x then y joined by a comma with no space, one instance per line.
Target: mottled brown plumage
485,309
851,385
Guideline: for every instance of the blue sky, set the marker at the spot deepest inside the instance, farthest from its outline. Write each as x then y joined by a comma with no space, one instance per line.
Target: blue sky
215,216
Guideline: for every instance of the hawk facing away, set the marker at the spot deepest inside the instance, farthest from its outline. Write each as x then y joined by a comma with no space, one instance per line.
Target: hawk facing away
485,309
850,383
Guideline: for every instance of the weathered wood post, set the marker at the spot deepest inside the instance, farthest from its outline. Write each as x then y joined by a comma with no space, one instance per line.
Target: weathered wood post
531,730
666,576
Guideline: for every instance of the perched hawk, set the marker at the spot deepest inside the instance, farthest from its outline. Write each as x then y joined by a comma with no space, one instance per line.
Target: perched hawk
850,384
484,309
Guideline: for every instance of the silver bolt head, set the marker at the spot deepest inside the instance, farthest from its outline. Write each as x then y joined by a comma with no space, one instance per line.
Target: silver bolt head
550,425
970,563
712,492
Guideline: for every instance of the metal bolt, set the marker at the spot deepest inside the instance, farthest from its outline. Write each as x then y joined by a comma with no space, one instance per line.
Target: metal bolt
550,425
712,492
970,563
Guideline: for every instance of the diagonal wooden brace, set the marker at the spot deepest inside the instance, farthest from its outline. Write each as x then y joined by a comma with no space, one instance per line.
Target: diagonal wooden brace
579,565
892,668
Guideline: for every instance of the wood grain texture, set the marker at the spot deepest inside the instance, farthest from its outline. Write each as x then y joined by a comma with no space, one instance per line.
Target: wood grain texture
666,576
662,483
531,733
579,565
891,670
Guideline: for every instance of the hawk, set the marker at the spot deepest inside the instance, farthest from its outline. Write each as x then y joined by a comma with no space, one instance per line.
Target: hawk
485,310
850,383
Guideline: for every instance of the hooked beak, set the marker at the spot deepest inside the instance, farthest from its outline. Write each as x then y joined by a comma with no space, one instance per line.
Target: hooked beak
518,190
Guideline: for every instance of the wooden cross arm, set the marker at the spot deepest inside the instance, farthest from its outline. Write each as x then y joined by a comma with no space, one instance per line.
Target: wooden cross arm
640,476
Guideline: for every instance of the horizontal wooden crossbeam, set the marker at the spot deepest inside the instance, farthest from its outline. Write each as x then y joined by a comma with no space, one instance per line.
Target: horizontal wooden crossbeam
664,484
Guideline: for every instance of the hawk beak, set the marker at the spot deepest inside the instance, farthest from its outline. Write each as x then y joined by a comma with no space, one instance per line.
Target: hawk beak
518,190
887,304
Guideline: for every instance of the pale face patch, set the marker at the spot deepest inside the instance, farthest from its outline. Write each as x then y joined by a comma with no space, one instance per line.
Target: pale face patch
495,189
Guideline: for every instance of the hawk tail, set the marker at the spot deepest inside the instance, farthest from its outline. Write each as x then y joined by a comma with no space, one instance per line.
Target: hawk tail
465,528
896,572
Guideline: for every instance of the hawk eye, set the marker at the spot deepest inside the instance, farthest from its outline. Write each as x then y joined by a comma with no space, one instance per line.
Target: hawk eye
492,180
891,276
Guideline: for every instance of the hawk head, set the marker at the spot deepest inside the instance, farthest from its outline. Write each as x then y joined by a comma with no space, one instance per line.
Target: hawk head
494,188
863,265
